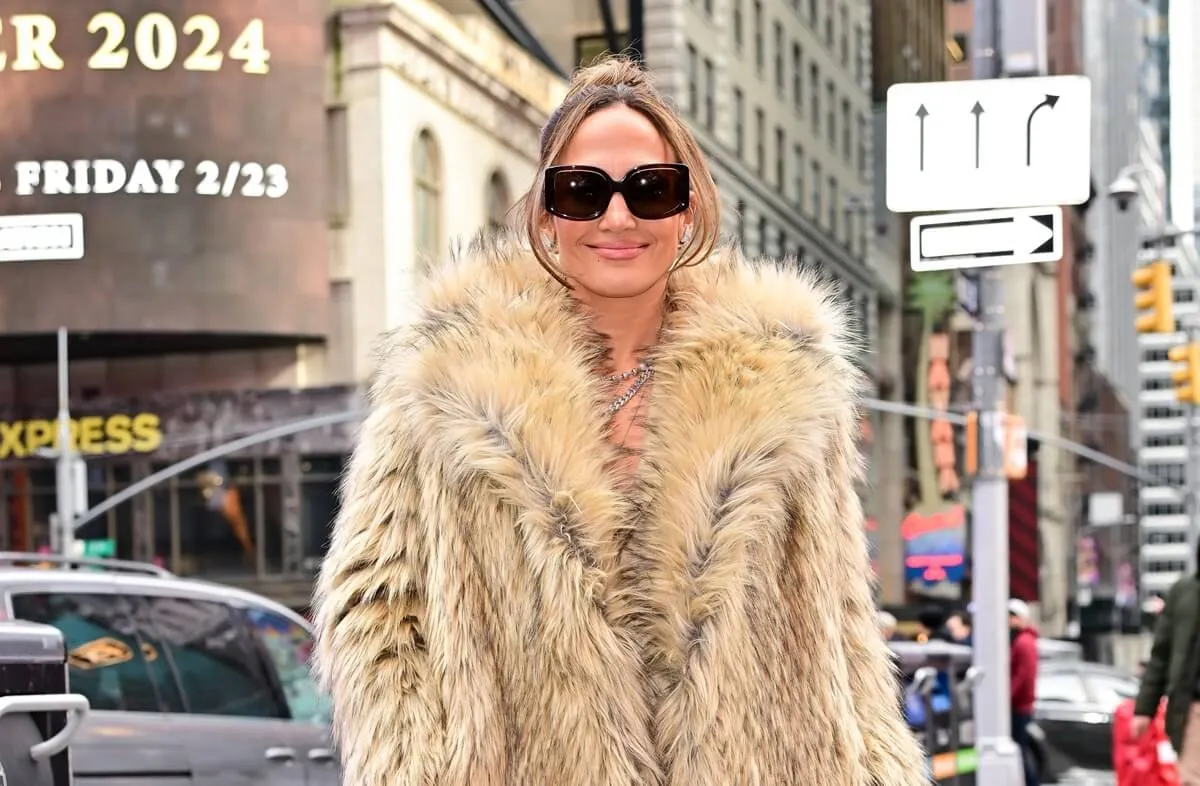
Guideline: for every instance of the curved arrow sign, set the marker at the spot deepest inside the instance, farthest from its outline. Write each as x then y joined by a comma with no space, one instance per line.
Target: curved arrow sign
951,241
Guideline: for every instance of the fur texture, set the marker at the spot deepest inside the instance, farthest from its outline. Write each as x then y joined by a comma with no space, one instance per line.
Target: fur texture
496,609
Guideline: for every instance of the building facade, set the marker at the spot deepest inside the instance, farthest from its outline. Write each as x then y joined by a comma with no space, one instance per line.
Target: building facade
418,127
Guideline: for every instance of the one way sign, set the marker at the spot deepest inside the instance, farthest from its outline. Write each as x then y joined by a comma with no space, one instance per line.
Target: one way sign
950,241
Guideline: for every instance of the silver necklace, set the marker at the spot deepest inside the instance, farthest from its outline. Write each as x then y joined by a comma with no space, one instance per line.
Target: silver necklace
643,373
633,372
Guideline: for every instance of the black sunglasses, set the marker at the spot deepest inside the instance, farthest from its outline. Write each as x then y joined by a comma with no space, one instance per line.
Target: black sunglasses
652,191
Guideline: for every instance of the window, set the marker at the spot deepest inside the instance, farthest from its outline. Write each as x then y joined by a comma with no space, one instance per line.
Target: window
1063,687
846,131
814,96
109,662
816,198
862,145
831,115
829,29
834,207
693,75
218,662
427,178
739,122
710,95
763,236
499,200
844,34
812,14
760,141
738,33
780,159
799,170
797,77
289,648
860,65
589,48
778,55
759,55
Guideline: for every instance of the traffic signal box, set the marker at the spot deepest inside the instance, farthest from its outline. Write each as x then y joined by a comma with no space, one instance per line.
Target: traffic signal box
1187,379
1154,295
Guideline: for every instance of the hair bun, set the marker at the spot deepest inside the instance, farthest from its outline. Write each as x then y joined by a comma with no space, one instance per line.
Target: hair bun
609,71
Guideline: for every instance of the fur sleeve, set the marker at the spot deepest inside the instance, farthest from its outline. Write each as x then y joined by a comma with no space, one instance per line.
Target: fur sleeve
894,755
370,612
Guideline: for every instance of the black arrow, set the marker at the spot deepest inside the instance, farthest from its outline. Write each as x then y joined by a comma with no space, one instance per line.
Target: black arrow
1049,101
922,113
977,110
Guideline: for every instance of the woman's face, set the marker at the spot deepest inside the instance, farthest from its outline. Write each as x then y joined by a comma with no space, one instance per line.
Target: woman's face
617,255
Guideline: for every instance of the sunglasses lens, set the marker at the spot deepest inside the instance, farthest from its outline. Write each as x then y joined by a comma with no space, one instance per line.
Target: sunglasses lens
579,194
655,193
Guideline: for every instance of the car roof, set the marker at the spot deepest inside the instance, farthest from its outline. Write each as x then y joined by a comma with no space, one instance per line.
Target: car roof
152,581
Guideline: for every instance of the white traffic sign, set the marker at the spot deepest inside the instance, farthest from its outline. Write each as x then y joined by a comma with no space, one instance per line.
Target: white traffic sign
950,241
43,237
988,143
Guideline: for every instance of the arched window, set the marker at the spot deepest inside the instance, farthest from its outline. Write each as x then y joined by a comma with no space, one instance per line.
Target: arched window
499,200
427,180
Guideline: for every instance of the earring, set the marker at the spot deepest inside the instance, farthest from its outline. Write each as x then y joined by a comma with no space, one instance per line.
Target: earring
683,240
551,242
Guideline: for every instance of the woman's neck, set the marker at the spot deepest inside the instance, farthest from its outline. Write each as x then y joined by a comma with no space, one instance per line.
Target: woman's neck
629,325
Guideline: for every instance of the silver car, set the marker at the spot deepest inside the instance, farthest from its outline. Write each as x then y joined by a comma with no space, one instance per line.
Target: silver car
189,682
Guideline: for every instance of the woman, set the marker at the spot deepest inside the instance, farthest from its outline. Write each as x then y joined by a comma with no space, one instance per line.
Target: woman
601,526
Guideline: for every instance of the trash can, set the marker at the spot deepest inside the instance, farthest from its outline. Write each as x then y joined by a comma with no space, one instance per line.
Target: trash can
38,716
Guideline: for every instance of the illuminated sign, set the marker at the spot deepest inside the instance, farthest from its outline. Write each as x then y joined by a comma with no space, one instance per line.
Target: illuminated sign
197,44
935,546
91,436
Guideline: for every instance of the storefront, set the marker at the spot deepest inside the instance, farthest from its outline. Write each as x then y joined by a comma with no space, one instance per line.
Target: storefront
259,519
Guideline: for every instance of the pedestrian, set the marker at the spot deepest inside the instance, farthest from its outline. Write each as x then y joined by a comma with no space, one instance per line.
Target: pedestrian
1173,672
602,523
1023,664
958,624
889,627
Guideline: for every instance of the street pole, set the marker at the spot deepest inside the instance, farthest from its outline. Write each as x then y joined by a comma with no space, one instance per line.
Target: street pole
1000,760
62,535
1191,503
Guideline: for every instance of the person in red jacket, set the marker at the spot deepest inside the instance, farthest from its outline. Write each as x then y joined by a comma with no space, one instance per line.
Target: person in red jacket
1023,681
1145,759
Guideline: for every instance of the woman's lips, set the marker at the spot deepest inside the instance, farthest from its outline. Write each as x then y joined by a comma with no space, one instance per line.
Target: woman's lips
618,251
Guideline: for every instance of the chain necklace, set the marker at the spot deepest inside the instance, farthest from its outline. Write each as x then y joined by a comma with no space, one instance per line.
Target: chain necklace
641,375
630,374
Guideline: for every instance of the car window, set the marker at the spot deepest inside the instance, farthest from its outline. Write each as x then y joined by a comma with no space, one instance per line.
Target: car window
110,663
215,656
1062,687
289,647
1110,690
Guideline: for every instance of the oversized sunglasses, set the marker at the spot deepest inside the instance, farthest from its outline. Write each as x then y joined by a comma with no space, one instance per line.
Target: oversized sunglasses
651,191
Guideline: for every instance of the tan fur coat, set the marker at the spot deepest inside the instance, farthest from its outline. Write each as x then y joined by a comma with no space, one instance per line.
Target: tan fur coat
495,611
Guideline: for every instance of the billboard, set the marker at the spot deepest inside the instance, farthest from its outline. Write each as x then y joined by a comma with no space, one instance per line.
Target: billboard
162,166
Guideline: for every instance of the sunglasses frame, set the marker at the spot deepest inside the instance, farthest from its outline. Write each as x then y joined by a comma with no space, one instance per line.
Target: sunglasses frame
616,187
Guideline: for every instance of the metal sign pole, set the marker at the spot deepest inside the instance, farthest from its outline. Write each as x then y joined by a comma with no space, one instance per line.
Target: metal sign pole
62,536
1000,760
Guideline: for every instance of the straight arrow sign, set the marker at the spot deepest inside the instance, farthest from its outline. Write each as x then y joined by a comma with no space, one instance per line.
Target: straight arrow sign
951,241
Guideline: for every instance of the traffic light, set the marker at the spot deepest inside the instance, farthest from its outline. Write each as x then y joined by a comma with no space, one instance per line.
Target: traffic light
1187,379
1154,295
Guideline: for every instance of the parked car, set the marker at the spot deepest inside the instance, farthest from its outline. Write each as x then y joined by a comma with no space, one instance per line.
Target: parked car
1072,728
189,682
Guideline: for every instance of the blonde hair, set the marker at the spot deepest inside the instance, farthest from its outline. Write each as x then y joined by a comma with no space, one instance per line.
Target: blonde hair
617,80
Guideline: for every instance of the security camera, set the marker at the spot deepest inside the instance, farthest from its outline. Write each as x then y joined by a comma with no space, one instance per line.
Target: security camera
1123,191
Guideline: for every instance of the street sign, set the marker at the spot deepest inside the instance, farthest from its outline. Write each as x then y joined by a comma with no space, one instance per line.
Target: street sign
44,237
950,241
988,143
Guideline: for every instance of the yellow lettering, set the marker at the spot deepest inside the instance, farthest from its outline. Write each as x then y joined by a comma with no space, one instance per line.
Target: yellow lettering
112,54
3,54
118,431
91,435
11,444
34,42
39,434
147,435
